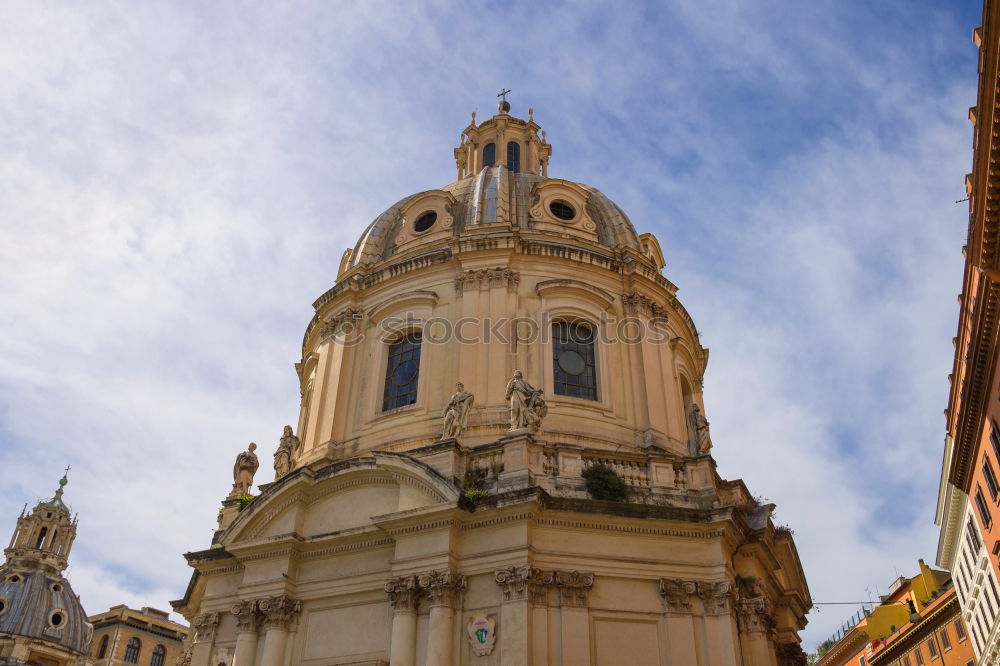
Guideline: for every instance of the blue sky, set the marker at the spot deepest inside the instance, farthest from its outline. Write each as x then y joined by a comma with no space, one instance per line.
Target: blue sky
179,182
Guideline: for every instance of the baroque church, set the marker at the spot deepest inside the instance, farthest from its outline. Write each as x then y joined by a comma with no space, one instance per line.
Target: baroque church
41,620
502,455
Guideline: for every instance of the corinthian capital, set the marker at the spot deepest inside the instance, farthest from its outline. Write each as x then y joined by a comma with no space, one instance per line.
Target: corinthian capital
715,597
755,615
573,587
279,611
247,615
403,593
204,625
524,582
442,587
677,594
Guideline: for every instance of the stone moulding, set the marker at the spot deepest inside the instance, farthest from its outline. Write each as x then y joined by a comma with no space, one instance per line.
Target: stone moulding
716,596
487,278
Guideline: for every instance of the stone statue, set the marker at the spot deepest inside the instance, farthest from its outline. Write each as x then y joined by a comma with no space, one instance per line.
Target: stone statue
243,471
284,457
456,414
699,441
527,408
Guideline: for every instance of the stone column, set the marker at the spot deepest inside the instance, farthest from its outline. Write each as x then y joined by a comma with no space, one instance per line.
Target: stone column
442,589
716,601
279,612
247,618
573,588
756,622
682,643
403,594
523,615
203,628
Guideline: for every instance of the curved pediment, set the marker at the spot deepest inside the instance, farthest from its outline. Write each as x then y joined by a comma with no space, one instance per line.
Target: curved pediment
340,497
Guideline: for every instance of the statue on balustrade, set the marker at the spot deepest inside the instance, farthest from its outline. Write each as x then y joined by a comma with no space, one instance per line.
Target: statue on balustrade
456,414
527,407
284,457
699,440
243,471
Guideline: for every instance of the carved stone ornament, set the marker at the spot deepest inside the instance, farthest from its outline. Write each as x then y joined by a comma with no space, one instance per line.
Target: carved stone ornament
487,278
247,615
715,597
524,582
755,616
677,594
456,414
636,304
204,626
184,658
346,322
573,587
791,654
403,593
527,407
442,588
482,633
279,611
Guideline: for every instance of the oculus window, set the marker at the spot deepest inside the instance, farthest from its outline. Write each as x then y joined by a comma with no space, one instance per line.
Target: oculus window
489,154
401,372
573,369
425,222
562,210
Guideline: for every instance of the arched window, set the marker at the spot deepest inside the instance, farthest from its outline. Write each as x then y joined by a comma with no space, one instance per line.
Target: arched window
514,156
132,650
401,372
103,649
573,369
159,653
489,154
41,537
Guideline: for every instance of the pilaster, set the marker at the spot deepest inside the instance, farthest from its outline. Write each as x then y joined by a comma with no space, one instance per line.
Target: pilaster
278,612
403,596
203,627
443,590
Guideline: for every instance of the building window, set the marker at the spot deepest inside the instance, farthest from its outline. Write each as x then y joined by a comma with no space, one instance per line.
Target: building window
959,629
514,156
861,661
970,535
489,154
991,478
918,657
932,648
905,661
132,650
984,509
995,437
401,372
945,639
573,369
41,537
159,653
103,649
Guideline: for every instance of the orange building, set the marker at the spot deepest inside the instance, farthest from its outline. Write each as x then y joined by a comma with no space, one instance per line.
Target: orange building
919,623
969,495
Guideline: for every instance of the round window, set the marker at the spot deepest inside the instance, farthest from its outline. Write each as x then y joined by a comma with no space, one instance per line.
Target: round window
562,210
3,606
56,587
425,221
14,579
57,618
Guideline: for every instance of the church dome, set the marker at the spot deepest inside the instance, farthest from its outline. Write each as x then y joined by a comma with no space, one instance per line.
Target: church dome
507,187
40,605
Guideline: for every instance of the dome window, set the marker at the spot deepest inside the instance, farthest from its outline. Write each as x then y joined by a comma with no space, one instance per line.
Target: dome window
56,587
13,578
425,221
514,156
573,369
57,619
489,154
401,372
3,605
562,210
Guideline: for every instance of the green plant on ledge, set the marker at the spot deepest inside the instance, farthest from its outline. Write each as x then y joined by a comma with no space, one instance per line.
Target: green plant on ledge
244,500
474,483
603,483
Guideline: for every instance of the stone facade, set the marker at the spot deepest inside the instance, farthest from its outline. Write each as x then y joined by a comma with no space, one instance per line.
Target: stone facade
388,544
146,637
